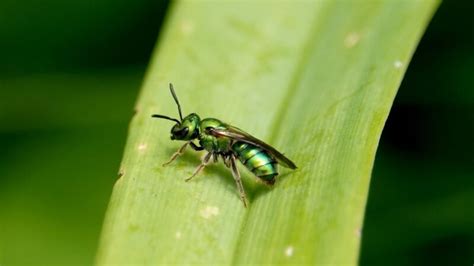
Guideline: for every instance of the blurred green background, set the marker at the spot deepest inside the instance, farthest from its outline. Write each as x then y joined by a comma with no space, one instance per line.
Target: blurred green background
70,73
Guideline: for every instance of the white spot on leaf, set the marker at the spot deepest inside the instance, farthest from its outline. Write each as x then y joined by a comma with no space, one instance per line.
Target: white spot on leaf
187,27
397,64
351,39
142,147
209,212
358,232
289,251
178,235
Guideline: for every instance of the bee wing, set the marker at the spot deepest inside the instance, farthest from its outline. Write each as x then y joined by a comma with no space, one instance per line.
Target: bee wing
240,135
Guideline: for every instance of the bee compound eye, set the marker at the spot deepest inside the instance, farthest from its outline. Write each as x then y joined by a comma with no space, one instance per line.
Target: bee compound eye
182,133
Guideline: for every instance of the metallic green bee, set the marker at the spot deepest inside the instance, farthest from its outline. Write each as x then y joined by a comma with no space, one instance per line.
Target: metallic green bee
228,142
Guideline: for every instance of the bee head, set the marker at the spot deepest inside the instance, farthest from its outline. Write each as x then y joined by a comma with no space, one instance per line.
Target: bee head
187,128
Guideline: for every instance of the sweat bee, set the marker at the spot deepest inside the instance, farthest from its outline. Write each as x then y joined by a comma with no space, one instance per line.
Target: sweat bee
228,142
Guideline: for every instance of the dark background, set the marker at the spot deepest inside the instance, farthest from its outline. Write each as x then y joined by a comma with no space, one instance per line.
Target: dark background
69,75
421,201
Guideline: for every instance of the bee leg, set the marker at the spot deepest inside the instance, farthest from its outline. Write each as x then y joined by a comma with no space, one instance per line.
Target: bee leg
176,154
196,147
225,159
238,181
204,162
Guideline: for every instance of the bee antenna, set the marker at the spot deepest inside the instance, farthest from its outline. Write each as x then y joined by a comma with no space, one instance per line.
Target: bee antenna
176,100
166,117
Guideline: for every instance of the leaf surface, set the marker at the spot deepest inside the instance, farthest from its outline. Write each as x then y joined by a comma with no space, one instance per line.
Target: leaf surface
314,79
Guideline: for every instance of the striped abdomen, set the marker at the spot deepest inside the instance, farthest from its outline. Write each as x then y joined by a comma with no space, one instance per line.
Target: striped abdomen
257,160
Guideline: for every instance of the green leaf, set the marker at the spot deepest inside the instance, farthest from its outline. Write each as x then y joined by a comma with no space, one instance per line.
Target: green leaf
315,80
